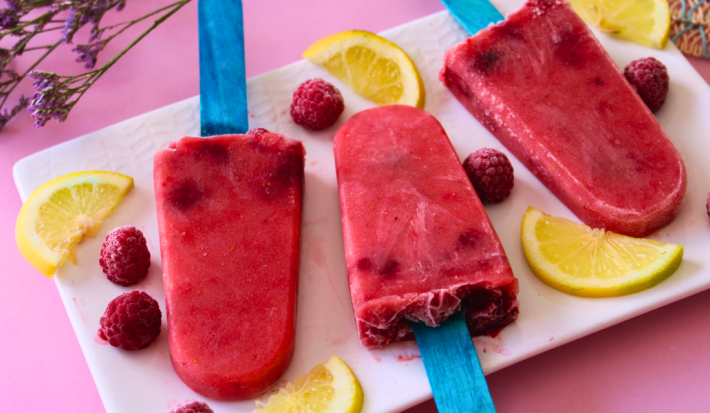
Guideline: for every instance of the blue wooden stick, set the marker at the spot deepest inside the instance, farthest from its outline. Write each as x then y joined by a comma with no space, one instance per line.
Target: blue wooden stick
473,15
450,359
453,368
223,87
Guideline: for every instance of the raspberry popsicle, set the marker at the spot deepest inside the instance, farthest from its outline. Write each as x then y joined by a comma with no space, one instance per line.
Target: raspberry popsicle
543,85
229,214
418,243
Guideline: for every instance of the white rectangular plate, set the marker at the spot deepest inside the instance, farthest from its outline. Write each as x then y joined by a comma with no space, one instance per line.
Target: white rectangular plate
393,378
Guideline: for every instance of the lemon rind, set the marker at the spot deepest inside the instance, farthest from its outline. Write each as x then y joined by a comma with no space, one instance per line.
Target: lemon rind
322,50
30,244
633,282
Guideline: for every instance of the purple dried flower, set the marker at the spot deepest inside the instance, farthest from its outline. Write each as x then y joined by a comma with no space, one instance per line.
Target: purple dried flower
14,5
6,116
50,101
8,18
88,53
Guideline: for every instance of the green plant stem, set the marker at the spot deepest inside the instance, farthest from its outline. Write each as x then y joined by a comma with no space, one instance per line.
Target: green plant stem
50,50
98,73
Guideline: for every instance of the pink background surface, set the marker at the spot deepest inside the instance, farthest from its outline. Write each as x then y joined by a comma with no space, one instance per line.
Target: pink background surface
654,363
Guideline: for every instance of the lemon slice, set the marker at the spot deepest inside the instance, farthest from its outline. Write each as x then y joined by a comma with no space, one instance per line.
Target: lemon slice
59,213
647,22
330,387
372,66
579,260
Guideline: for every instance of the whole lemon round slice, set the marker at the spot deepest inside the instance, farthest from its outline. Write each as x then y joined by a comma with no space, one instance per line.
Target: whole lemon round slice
59,213
372,66
330,387
647,22
579,260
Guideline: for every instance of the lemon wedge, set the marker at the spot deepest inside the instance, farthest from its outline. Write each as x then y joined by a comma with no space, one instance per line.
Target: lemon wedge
579,260
330,387
372,66
58,214
647,22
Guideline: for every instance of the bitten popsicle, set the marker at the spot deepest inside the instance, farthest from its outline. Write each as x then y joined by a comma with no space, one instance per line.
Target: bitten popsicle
418,243
229,215
544,86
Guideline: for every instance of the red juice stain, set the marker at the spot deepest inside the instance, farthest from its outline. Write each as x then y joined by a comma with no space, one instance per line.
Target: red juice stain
83,319
407,357
378,360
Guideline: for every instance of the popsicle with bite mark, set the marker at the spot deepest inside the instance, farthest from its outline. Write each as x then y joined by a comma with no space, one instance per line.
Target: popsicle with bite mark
418,243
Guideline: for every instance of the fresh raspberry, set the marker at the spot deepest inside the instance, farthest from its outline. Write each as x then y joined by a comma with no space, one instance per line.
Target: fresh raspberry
131,321
124,256
490,173
316,104
650,79
257,131
191,406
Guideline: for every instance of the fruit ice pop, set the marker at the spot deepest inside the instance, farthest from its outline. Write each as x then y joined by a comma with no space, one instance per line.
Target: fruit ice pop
418,243
544,86
229,215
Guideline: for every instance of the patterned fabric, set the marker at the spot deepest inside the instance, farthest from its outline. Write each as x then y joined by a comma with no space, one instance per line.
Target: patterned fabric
690,26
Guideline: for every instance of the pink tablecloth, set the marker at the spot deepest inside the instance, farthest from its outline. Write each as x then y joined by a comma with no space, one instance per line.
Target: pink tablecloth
654,363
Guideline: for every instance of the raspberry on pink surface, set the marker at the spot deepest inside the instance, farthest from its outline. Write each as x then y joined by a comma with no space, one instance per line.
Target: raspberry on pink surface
191,406
125,258
650,79
131,321
316,104
491,174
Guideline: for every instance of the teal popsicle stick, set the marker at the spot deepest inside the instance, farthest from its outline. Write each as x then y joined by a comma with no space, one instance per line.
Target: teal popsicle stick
473,15
223,87
453,368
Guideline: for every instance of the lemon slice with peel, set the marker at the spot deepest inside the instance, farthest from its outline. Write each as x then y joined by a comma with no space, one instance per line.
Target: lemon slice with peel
330,387
372,66
579,260
647,22
58,214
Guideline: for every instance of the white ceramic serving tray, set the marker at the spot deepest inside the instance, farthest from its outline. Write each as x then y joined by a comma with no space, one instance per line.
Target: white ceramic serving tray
393,378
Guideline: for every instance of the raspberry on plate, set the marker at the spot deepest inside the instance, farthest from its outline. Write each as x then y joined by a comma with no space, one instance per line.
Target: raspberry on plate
125,258
131,321
650,79
316,104
491,174
191,406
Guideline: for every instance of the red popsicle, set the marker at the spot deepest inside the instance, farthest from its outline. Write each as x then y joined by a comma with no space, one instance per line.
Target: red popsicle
229,214
544,86
418,243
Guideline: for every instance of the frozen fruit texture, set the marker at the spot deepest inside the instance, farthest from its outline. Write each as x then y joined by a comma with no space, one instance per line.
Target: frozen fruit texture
125,258
418,243
131,321
491,174
191,406
316,104
257,131
229,216
650,79
542,84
